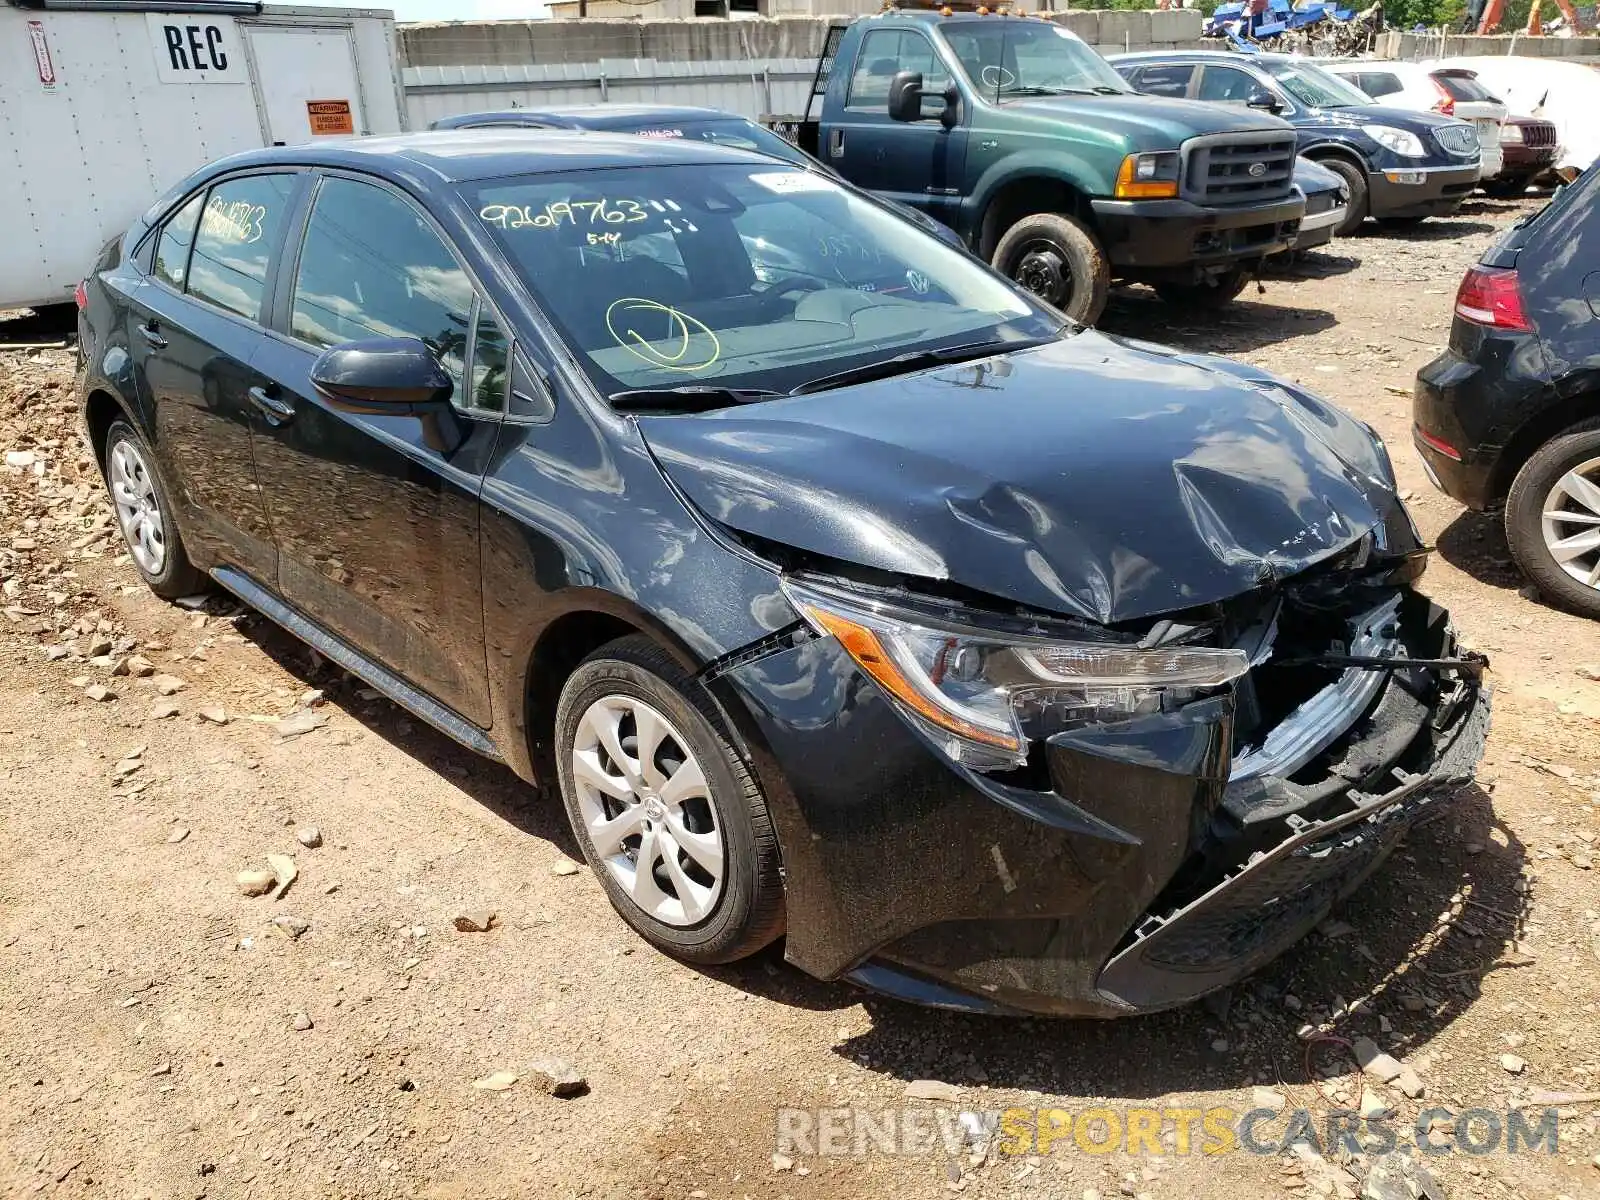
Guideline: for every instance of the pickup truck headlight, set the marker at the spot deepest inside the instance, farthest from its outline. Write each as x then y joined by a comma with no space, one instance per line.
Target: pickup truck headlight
982,695
1148,176
1407,145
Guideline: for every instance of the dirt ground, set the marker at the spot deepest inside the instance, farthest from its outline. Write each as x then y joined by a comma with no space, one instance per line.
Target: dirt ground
160,1036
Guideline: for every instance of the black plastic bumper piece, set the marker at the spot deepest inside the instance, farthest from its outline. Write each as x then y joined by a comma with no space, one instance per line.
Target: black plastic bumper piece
1438,195
1147,236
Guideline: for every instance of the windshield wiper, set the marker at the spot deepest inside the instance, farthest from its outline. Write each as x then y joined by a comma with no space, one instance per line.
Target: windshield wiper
690,397
1035,90
914,360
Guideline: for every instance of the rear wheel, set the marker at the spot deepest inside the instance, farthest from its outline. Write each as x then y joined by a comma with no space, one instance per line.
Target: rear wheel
145,516
1211,292
1360,200
672,823
1553,519
1057,259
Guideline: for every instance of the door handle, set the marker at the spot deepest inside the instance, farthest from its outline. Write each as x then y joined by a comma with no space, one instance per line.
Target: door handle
152,334
835,143
274,408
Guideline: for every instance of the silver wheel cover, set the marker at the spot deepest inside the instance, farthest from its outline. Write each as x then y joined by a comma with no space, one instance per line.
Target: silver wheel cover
648,810
1570,523
134,492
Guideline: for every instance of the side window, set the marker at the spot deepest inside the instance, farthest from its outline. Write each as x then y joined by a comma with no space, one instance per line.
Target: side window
238,231
490,356
1227,85
1378,83
172,248
884,54
373,268
1165,79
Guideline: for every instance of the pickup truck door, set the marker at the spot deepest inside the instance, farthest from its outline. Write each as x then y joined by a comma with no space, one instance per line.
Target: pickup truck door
917,163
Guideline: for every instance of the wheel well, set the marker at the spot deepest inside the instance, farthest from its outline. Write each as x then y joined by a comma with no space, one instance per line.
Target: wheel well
1539,430
1024,197
565,643
100,412
1323,153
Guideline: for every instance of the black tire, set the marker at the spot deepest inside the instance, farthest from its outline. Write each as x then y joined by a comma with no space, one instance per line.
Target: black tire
748,914
1507,187
1360,199
178,576
1524,517
1057,259
1211,292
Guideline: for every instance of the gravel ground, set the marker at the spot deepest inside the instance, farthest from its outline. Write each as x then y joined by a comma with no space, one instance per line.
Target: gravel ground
163,1035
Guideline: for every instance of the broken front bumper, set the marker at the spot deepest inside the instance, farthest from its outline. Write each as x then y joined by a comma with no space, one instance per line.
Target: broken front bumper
1142,876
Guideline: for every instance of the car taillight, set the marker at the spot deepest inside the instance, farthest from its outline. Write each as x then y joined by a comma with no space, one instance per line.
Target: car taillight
1491,296
1446,103
81,295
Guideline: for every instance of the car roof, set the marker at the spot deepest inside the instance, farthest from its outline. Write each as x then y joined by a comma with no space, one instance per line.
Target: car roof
1231,57
458,155
595,116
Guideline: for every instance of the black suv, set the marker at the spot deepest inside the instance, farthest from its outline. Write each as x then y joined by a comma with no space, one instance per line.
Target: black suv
839,587
1401,166
1510,413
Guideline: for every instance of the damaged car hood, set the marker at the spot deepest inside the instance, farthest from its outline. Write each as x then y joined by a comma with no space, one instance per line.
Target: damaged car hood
1094,476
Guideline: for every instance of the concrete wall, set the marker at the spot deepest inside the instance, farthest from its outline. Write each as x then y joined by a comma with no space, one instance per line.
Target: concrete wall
1411,46
519,43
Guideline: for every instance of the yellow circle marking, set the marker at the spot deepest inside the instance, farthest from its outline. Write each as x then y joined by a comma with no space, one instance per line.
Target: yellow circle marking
682,327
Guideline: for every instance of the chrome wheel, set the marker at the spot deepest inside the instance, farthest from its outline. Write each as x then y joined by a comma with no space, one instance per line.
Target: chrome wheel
1570,522
648,810
134,491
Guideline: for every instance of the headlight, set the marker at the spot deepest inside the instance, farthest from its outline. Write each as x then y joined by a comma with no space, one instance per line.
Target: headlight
1407,145
982,695
1148,176
1511,135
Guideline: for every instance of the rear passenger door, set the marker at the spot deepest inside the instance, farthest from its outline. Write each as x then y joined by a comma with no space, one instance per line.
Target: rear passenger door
1163,79
195,328
376,512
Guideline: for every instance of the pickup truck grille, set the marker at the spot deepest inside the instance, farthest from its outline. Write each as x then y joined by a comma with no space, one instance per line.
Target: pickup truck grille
1237,168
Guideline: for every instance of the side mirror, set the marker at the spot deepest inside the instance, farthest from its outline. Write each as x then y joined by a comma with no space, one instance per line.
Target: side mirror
1265,101
381,374
906,94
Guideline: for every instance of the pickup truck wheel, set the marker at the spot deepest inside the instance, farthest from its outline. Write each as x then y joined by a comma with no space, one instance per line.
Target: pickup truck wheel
1553,519
1356,180
1208,293
1058,260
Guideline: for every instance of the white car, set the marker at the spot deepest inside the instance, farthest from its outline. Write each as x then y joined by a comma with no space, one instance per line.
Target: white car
1566,93
1454,91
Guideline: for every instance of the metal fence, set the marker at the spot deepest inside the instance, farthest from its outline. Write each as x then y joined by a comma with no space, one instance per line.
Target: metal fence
748,88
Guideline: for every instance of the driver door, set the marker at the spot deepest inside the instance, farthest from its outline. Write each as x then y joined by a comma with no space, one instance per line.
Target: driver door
375,511
920,163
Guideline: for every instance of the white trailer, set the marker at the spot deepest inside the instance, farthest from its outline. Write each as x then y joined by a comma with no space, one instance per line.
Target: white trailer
105,104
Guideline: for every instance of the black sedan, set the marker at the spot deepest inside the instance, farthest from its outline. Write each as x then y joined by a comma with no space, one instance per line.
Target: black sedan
997,663
1509,414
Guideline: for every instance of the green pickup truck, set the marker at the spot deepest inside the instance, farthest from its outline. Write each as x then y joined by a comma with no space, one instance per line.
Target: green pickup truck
1016,134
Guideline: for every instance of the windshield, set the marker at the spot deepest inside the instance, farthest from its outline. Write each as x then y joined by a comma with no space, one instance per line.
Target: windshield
741,276
1029,58
1462,85
729,131
1316,88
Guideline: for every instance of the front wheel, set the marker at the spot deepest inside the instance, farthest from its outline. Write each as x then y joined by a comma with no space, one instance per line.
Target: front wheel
1360,197
1210,292
1057,259
1553,519
672,823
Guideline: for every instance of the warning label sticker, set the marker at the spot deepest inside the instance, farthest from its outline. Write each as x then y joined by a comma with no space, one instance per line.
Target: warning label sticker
330,117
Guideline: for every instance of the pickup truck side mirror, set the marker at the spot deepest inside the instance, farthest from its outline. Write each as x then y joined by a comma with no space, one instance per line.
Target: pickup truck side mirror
905,99
1265,101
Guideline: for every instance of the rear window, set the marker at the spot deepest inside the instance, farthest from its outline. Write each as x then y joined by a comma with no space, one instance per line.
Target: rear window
1463,85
